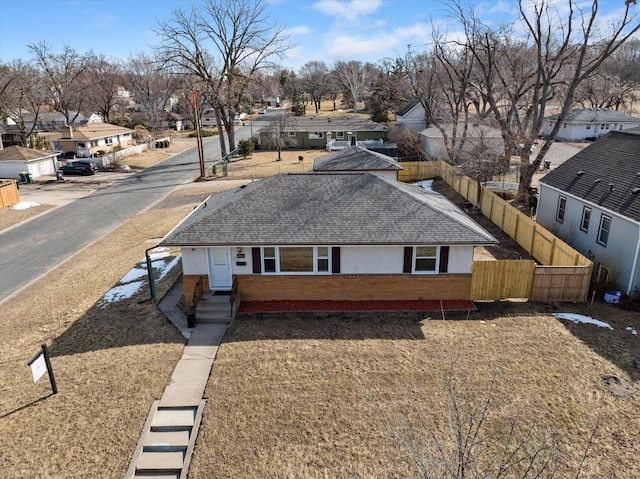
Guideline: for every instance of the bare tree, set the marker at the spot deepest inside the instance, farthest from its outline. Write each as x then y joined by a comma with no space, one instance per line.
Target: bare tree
102,95
315,78
153,89
222,42
65,75
355,78
476,440
275,134
519,78
22,93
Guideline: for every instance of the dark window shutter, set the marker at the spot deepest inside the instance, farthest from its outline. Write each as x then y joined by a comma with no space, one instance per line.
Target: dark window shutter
257,262
408,259
444,259
335,260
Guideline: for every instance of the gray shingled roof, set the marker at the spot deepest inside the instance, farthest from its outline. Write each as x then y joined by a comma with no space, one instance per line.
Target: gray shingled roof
408,107
331,209
613,159
355,158
331,123
596,115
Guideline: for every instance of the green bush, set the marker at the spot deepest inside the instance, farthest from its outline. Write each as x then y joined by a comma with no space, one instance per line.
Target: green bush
245,147
203,133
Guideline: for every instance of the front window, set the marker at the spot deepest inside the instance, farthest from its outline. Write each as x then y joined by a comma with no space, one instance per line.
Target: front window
296,259
426,259
562,206
269,259
339,135
603,230
316,135
586,218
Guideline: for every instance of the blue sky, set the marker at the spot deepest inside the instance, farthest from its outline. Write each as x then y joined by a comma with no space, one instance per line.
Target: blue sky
327,30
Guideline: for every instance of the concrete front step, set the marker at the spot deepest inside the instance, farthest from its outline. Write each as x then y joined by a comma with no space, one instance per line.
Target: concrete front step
214,308
161,461
156,475
174,417
168,437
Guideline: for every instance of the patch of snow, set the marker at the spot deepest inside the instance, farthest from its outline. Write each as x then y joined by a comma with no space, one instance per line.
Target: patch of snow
23,205
426,184
579,318
131,283
633,331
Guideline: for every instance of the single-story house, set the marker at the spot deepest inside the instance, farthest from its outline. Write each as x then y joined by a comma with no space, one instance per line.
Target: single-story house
592,201
329,132
338,236
15,159
479,138
412,116
54,120
589,123
89,140
356,158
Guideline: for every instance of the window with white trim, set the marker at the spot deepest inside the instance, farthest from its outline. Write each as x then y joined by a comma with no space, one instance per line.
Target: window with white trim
425,259
296,259
339,135
269,259
562,207
292,133
603,230
589,126
586,218
316,135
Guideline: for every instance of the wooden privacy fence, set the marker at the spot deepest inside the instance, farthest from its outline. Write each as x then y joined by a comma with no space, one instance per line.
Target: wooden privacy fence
563,273
8,193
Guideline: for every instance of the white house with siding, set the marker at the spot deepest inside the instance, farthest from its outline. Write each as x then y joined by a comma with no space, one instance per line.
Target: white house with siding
589,123
592,201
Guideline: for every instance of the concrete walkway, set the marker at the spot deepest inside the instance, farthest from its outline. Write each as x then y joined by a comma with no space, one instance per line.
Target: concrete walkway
169,433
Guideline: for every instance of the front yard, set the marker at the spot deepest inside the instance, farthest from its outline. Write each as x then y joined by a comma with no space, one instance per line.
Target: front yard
315,396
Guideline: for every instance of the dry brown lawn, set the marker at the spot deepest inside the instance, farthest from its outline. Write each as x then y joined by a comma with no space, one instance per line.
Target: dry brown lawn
320,397
315,396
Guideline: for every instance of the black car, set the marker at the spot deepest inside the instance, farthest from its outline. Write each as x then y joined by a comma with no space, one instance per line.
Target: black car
78,168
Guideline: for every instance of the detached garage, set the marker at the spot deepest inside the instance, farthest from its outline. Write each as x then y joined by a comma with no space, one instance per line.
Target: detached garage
15,159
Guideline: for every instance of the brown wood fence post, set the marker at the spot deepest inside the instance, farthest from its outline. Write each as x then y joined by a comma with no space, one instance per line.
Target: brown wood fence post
553,250
533,239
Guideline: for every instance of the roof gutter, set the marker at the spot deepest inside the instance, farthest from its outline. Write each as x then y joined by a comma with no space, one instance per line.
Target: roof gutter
635,265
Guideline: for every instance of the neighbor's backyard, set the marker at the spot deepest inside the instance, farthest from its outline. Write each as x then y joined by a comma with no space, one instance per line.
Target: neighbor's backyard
301,396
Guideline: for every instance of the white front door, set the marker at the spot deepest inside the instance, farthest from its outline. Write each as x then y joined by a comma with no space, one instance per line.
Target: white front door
219,268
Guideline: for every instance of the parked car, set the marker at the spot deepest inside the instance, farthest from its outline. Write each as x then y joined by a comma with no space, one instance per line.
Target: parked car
67,155
79,168
262,112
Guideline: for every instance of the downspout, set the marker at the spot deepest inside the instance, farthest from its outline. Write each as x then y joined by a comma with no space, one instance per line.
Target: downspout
635,265
152,283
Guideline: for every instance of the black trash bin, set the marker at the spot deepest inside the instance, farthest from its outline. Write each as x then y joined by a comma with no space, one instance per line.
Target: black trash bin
59,176
28,177
23,176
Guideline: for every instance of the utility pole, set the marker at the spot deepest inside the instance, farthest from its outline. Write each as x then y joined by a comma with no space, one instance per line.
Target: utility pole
198,134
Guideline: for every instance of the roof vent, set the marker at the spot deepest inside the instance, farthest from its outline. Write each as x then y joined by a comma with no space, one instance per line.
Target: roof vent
580,173
596,180
610,186
635,191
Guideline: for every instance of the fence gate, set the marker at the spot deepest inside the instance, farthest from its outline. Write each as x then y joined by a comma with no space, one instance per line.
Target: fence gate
495,280
561,283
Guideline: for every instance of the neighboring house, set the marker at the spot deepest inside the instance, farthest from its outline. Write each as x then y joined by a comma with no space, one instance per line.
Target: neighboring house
331,132
592,201
94,118
479,139
53,121
91,140
15,159
356,158
10,136
339,236
589,123
412,116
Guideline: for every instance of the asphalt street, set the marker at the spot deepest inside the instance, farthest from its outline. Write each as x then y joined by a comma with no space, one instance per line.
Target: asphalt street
33,248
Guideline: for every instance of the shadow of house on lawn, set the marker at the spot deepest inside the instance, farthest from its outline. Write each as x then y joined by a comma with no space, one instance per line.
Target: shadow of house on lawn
116,321
339,326
619,345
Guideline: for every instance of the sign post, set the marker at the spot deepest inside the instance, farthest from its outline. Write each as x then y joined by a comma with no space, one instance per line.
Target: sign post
41,363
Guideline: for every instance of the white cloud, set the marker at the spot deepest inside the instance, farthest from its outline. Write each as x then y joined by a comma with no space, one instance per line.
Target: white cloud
350,10
299,30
